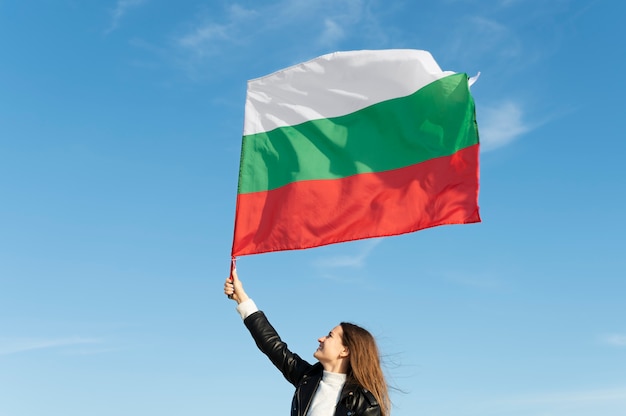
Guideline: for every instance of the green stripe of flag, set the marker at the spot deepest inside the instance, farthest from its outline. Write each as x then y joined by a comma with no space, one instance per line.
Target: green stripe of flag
435,121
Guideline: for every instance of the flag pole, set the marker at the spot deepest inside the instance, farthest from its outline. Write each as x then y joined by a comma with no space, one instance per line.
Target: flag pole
233,265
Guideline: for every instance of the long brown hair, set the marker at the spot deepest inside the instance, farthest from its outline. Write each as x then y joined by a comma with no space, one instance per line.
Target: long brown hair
364,368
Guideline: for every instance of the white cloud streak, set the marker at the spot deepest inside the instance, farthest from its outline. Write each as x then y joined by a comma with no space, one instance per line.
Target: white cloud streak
324,25
615,340
208,37
121,8
570,398
332,33
356,260
202,36
18,345
501,125
485,280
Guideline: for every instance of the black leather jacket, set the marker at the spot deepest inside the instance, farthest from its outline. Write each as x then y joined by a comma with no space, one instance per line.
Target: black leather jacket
354,401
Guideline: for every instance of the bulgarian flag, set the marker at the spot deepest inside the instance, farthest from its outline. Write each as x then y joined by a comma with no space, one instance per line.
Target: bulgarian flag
354,145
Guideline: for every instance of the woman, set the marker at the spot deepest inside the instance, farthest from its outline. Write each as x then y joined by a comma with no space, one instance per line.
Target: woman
347,380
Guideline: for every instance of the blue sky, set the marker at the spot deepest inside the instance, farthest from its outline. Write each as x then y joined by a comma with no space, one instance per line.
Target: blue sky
120,132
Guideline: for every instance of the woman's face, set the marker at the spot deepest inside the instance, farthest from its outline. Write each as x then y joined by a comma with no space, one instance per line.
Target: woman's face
331,346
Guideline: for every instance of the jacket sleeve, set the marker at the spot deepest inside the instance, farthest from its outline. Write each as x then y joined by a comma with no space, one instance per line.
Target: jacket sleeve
267,339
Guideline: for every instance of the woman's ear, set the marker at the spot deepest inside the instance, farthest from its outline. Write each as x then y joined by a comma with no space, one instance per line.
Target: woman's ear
345,352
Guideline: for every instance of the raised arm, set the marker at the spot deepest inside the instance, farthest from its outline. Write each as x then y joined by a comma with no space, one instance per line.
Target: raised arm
292,366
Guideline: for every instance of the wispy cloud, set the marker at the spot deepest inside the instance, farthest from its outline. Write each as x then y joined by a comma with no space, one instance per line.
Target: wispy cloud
615,340
18,345
238,13
609,401
315,27
332,33
209,43
569,398
200,40
205,36
208,37
121,8
480,39
356,260
501,125
479,281
339,20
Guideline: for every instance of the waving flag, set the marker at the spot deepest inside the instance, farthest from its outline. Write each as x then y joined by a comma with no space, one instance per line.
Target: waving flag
353,145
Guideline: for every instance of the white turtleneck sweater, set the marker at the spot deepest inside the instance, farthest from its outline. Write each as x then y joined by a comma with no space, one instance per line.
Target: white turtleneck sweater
327,394
328,391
